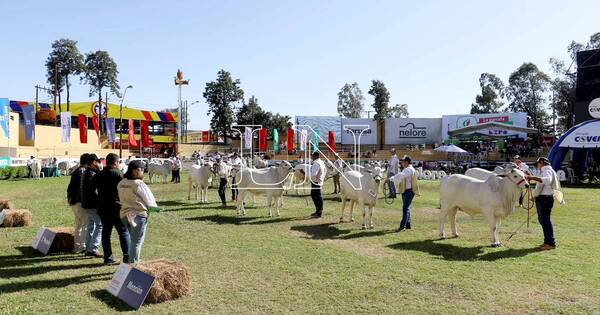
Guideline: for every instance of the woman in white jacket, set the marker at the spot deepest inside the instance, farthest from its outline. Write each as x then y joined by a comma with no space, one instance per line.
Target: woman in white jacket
136,200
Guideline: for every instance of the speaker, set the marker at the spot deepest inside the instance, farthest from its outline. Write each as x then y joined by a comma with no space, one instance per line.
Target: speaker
588,83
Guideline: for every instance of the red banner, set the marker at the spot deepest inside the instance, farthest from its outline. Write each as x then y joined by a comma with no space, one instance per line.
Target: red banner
82,121
145,133
332,147
96,124
205,136
290,140
262,139
132,141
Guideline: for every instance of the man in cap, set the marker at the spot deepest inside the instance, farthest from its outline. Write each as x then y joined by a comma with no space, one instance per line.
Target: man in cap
546,188
407,182
220,169
89,202
74,199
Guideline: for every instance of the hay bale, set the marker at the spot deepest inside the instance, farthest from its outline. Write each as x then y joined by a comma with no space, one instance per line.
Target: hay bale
173,279
5,204
64,240
17,218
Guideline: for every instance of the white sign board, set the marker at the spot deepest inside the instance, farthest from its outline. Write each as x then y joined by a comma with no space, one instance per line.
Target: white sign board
322,124
594,108
585,136
354,126
43,240
413,130
452,122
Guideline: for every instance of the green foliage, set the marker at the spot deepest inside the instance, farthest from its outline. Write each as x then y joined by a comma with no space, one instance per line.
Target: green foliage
101,72
252,114
527,93
221,95
13,172
64,60
382,100
350,101
399,111
492,91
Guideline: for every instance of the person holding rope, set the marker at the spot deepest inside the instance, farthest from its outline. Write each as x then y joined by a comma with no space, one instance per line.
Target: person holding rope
525,169
547,188
408,185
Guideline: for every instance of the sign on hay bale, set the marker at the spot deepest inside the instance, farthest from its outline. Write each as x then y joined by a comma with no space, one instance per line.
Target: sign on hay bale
153,281
15,217
55,240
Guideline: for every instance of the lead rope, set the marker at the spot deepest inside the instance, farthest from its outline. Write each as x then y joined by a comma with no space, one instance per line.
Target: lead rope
528,207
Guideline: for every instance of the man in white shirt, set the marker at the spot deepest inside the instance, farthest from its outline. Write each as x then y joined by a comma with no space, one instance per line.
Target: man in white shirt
236,162
317,176
393,169
525,169
544,199
337,168
408,194
220,169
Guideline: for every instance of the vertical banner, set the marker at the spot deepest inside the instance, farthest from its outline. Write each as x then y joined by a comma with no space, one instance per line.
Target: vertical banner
145,133
82,120
111,130
262,139
29,118
205,136
96,124
275,141
132,141
332,147
4,116
247,138
290,140
303,139
315,141
65,125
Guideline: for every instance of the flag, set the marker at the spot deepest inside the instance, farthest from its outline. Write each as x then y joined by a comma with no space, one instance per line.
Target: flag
303,139
96,124
110,130
332,147
290,140
262,139
315,141
82,128
248,138
29,119
205,136
275,141
132,141
65,125
145,134
4,116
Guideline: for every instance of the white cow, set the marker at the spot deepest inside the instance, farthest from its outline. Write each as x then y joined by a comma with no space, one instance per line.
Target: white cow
64,166
200,178
362,188
299,178
494,198
479,173
163,170
259,162
268,181
36,168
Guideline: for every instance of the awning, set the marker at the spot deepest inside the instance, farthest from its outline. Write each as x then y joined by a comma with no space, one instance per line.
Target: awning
492,125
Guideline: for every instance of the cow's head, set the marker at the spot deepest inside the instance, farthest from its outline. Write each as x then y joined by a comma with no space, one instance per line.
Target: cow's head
512,172
376,172
284,167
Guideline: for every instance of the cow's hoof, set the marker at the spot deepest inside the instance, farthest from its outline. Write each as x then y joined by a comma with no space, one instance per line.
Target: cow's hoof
496,245
351,219
371,226
442,236
455,236
342,220
364,227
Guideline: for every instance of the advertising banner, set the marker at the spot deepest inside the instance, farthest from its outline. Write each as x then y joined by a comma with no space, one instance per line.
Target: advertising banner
111,130
65,125
352,127
585,136
82,128
4,116
321,124
247,138
29,119
131,285
452,122
413,130
132,140
43,240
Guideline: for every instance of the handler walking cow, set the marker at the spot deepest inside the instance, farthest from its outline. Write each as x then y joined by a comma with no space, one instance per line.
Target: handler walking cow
407,182
317,176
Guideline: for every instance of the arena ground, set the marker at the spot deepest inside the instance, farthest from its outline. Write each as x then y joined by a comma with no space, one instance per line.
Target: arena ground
291,264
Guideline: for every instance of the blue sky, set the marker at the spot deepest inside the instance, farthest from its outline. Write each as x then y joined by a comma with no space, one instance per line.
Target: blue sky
294,56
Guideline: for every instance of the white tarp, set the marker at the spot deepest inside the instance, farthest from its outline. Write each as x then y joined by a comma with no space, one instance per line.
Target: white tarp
413,130
452,122
323,124
585,136
369,136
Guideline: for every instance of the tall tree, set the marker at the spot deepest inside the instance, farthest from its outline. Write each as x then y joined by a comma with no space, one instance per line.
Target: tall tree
252,114
64,60
381,106
399,111
221,95
101,72
492,92
350,101
527,88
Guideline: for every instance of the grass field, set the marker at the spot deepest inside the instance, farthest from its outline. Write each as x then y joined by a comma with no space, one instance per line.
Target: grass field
291,264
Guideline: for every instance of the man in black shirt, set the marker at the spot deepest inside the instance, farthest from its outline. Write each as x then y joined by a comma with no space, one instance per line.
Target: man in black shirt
89,202
74,199
108,208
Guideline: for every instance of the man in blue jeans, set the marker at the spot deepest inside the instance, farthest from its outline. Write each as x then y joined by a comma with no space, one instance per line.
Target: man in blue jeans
89,202
407,181
546,185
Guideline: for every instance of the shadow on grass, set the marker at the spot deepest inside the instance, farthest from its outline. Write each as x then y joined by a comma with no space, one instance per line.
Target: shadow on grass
30,271
170,203
30,256
52,283
221,219
111,301
456,253
320,231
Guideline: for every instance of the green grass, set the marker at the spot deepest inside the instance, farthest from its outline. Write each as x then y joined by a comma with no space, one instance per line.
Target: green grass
290,264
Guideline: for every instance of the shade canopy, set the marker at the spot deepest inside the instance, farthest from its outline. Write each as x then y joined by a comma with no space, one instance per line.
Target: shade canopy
485,128
450,149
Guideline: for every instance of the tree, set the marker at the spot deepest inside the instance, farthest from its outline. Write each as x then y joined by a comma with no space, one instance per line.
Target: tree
399,111
381,106
101,72
492,92
350,101
64,60
221,95
252,114
526,92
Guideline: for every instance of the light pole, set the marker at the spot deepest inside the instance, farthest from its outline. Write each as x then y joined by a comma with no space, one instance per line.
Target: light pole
179,81
186,119
121,122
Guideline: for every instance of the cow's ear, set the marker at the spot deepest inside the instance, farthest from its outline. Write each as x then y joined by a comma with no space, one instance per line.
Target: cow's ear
499,170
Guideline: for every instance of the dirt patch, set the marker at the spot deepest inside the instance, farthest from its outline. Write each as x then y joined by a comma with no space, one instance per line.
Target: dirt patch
348,245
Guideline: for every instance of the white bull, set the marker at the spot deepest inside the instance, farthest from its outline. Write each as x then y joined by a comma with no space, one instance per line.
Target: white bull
362,188
494,198
36,169
65,166
163,170
268,181
483,174
200,178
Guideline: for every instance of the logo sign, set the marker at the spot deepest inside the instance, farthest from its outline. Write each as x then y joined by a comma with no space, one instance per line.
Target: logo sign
352,127
466,121
453,122
594,108
4,162
413,132
43,240
100,109
131,285
585,136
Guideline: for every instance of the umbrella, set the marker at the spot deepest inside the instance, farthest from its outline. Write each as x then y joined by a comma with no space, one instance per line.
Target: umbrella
450,149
